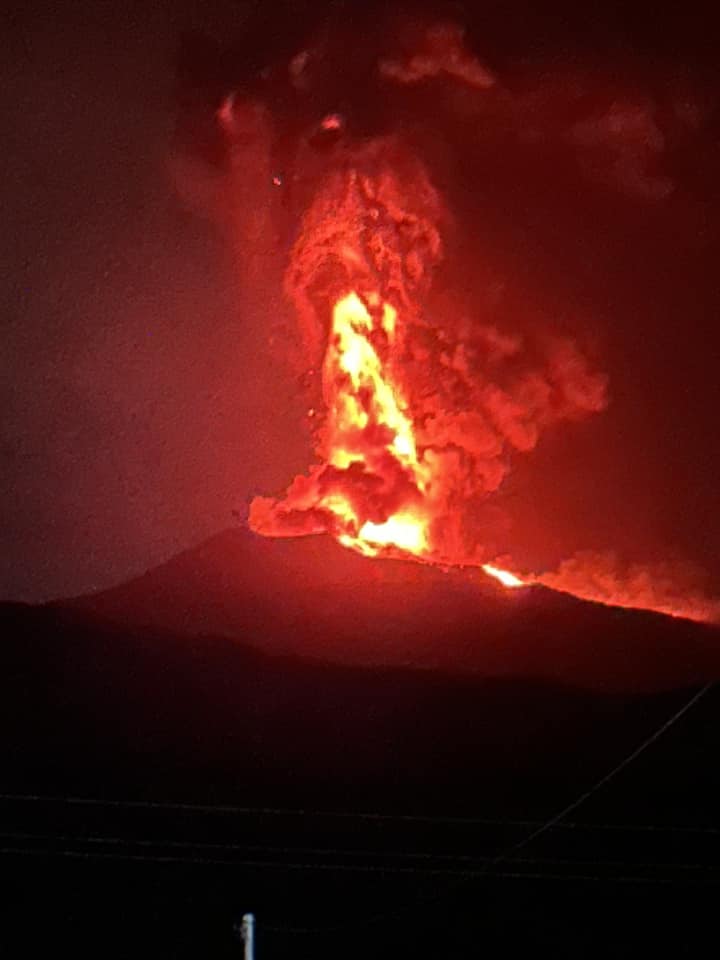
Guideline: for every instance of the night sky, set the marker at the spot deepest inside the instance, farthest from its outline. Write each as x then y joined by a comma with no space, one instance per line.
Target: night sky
140,402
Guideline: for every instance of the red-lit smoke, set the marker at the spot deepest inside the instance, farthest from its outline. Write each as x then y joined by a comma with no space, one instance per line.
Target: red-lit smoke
419,412
420,426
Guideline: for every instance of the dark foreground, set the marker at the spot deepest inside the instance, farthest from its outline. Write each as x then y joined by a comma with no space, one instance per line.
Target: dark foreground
180,750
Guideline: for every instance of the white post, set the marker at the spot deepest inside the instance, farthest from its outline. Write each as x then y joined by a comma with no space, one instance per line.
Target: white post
247,932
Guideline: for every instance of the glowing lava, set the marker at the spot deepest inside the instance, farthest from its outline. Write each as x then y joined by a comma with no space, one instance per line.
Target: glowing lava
372,488
375,488
369,449
423,407
506,578
367,424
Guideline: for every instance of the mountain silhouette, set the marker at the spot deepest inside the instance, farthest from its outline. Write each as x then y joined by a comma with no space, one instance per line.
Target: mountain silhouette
310,597
284,723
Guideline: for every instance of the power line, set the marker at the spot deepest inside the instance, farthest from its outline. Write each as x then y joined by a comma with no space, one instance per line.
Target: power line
464,874
553,821
211,809
480,873
630,758
76,841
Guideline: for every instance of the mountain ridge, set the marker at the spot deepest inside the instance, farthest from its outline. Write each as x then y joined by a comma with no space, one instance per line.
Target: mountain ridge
312,598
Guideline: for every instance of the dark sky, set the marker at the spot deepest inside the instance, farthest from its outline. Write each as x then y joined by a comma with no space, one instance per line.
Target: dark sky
124,397
139,406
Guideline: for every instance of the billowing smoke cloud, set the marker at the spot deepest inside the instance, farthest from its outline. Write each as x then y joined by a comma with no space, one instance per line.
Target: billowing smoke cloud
370,211
440,51
373,224
621,146
673,587
475,394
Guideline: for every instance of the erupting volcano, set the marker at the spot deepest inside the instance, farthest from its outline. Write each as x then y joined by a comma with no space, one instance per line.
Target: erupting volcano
373,490
419,414
420,409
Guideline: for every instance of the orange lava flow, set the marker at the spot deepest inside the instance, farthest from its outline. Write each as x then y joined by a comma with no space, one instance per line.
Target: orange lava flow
504,577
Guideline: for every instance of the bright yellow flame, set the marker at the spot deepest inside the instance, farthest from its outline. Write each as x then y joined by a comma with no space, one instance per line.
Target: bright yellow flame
506,578
364,395
356,356
400,530
389,319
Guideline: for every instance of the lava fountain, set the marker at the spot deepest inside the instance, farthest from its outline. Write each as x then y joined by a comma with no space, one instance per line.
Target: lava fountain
418,415
373,491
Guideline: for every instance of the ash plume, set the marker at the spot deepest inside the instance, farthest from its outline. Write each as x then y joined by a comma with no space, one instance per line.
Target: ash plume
348,162
476,393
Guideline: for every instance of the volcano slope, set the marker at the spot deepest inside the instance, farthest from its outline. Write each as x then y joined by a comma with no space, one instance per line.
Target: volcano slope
311,598
333,676
303,721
